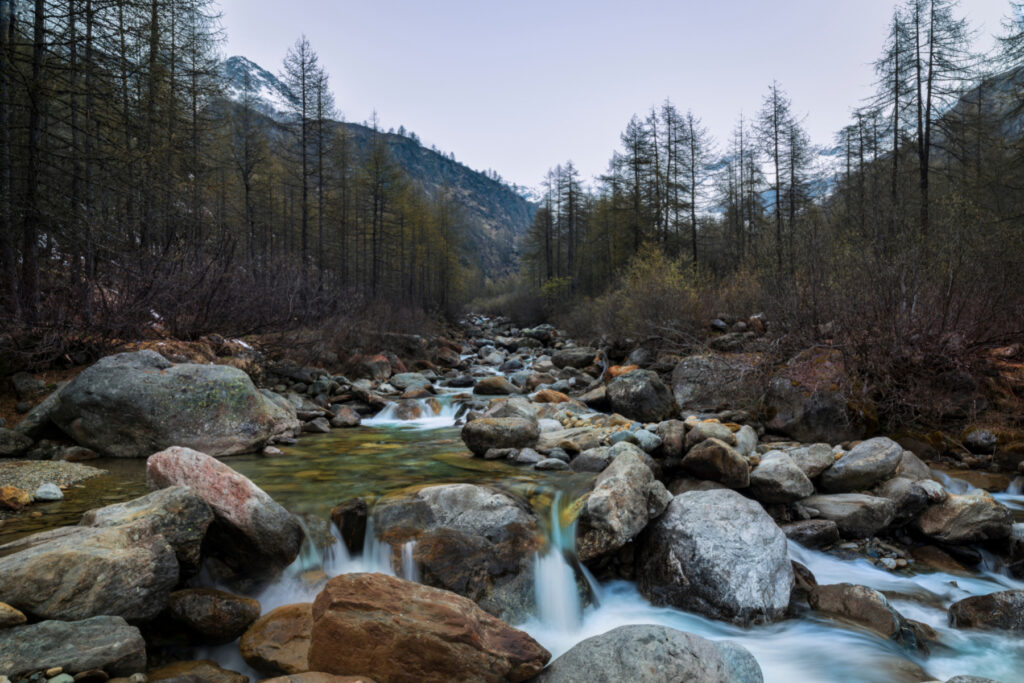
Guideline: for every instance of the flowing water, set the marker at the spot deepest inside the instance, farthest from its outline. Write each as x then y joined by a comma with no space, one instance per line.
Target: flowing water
388,455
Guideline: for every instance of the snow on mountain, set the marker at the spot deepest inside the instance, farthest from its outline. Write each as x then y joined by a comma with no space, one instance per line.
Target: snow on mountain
269,95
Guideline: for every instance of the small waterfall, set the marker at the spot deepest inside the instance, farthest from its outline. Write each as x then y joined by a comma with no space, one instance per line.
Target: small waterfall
410,572
557,596
435,412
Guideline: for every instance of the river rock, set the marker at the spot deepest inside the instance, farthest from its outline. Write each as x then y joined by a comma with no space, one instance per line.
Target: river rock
810,400
350,517
673,439
73,573
14,498
625,498
709,429
130,405
641,395
472,540
202,671
500,432
718,554
48,492
1003,610
399,631
913,468
10,616
574,357
102,642
813,459
867,464
709,383
865,607
653,654
593,460
856,514
777,479
214,615
38,420
717,461
812,533
317,677
12,443
277,643
409,380
909,497
345,418
966,518
494,386
176,513
251,533
514,406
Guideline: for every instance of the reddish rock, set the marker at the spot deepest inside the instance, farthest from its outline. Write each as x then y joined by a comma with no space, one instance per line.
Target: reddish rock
317,677
620,370
205,670
278,643
398,631
251,533
13,498
550,396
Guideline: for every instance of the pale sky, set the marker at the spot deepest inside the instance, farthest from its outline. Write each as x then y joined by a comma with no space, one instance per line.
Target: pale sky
521,85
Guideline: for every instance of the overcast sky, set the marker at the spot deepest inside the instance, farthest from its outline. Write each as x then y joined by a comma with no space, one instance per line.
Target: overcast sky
521,85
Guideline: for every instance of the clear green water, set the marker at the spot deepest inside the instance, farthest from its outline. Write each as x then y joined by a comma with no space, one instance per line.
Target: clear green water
323,470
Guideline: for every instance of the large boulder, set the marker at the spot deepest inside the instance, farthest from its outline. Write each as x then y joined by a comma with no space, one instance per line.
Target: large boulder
653,654
472,540
718,554
812,399
865,607
867,464
641,395
133,404
777,479
213,615
712,382
625,498
73,573
277,644
251,534
398,631
176,513
102,642
856,514
966,518
1003,611
715,460
500,432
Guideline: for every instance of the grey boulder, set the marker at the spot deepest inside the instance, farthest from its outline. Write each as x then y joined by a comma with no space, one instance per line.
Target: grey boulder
718,554
867,464
652,654
131,405
625,498
101,642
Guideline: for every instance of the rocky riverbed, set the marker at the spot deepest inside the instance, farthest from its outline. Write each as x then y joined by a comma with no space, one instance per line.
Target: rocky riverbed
513,507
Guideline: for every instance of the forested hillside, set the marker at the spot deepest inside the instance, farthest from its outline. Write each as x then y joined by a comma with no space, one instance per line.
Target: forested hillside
909,263
135,194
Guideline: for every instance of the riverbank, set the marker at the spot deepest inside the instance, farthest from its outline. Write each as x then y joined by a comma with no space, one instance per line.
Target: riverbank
566,519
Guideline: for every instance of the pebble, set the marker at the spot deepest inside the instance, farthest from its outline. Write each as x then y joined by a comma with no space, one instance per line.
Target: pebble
62,678
272,451
55,671
888,563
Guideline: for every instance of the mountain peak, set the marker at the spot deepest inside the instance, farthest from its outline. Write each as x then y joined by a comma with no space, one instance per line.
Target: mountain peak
269,94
